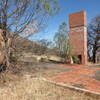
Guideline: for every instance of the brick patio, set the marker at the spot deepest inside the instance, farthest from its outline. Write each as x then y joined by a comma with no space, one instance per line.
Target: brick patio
86,77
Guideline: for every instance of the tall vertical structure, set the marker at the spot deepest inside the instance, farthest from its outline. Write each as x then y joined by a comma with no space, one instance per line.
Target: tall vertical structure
78,35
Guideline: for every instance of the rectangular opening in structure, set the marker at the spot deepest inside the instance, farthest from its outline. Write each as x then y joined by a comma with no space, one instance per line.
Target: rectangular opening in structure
77,59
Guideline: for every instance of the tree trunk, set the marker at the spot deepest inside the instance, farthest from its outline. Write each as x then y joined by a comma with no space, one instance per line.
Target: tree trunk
4,51
94,55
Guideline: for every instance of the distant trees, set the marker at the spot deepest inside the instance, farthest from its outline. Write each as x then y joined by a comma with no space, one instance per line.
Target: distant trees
94,39
61,39
24,18
45,45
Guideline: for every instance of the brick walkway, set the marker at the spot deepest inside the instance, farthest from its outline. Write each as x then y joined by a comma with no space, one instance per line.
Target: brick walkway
80,76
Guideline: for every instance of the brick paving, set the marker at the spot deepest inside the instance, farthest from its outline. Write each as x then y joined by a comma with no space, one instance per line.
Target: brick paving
80,76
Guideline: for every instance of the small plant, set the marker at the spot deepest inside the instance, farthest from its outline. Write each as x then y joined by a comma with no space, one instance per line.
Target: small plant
76,59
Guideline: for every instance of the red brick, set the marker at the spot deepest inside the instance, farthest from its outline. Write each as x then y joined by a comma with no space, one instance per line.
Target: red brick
77,19
78,34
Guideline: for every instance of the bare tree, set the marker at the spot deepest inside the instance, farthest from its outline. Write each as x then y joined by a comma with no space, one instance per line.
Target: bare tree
61,39
24,18
94,38
60,36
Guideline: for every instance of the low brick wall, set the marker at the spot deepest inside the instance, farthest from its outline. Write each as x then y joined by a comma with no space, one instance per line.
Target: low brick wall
88,93
75,90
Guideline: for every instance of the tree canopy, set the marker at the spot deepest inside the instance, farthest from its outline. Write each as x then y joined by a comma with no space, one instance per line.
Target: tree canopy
94,38
61,39
17,15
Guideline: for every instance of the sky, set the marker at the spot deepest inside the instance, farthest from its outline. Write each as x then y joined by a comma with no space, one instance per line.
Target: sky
92,7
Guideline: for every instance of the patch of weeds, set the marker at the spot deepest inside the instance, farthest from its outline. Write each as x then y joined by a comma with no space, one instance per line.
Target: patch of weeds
67,69
79,86
98,66
97,75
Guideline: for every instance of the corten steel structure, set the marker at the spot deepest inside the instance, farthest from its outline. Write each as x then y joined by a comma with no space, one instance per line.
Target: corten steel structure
78,35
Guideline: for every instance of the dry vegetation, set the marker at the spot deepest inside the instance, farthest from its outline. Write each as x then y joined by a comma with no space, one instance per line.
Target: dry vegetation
29,88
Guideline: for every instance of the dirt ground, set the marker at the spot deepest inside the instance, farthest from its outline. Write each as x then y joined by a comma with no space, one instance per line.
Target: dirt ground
86,77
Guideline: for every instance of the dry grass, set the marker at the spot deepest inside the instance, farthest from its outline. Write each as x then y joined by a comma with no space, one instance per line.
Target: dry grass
37,89
15,85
